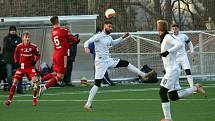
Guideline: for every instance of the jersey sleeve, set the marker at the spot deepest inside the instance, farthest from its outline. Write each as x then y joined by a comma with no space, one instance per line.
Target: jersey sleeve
175,43
16,54
87,43
69,36
97,37
187,40
37,53
116,41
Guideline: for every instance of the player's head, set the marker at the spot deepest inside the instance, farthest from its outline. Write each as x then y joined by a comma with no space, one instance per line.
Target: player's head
162,25
12,30
175,29
108,27
26,37
54,20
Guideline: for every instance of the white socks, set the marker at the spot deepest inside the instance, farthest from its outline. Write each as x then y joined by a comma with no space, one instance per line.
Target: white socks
186,92
166,110
135,70
190,80
92,94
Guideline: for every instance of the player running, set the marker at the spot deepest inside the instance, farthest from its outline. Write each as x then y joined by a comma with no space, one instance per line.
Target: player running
62,40
169,47
103,41
181,55
26,56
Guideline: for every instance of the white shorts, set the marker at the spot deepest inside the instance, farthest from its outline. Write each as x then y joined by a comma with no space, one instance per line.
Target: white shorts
101,66
183,62
171,78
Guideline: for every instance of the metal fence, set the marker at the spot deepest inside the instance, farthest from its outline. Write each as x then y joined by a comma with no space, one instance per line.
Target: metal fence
142,48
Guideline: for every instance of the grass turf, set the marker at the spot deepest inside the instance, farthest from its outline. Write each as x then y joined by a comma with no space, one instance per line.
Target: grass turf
118,103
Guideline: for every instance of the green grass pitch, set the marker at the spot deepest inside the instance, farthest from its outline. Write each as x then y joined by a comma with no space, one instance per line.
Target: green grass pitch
138,102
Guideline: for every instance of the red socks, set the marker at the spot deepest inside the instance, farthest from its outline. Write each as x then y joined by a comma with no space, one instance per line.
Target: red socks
12,90
35,93
47,77
52,82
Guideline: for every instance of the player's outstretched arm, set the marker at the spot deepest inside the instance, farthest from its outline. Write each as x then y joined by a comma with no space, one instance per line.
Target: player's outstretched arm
125,36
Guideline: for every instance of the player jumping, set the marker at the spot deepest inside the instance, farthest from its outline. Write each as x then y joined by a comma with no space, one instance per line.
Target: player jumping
26,56
169,47
103,41
62,40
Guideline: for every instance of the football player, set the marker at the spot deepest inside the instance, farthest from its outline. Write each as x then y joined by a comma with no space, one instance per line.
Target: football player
62,40
103,41
26,56
169,47
181,55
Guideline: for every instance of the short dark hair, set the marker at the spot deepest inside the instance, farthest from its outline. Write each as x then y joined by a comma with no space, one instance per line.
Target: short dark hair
175,25
108,22
12,28
54,20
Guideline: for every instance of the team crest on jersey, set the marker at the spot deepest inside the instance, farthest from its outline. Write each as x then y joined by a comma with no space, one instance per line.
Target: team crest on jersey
33,70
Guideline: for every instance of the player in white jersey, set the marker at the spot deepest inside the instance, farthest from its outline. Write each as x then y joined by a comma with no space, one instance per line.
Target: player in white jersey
169,47
181,55
103,41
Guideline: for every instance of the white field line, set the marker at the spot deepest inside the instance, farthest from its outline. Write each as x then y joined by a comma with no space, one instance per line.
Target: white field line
101,91
110,100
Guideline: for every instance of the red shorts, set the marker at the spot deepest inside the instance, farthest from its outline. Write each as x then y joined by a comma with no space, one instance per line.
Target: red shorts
60,64
30,72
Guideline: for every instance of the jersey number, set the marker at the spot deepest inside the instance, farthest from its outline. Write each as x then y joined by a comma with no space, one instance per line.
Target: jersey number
57,42
164,81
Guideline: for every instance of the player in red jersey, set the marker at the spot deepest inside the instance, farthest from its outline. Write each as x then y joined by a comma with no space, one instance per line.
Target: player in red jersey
26,56
62,40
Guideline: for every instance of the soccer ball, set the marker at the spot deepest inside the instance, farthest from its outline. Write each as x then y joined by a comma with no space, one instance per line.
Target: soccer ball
109,13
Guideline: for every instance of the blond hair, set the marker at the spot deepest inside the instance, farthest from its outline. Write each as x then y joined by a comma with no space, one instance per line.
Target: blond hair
163,25
25,33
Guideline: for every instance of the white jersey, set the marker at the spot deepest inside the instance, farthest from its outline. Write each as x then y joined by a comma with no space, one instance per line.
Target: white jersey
171,45
171,67
103,43
184,39
103,61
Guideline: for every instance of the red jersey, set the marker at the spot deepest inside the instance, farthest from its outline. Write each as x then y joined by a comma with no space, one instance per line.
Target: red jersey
25,54
60,38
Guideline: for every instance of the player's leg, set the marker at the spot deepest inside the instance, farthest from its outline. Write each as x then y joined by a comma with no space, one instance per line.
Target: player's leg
92,94
60,64
167,83
47,77
189,77
165,101
132,68
186,67
178,94
35,85
52,82
100,69
18,76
